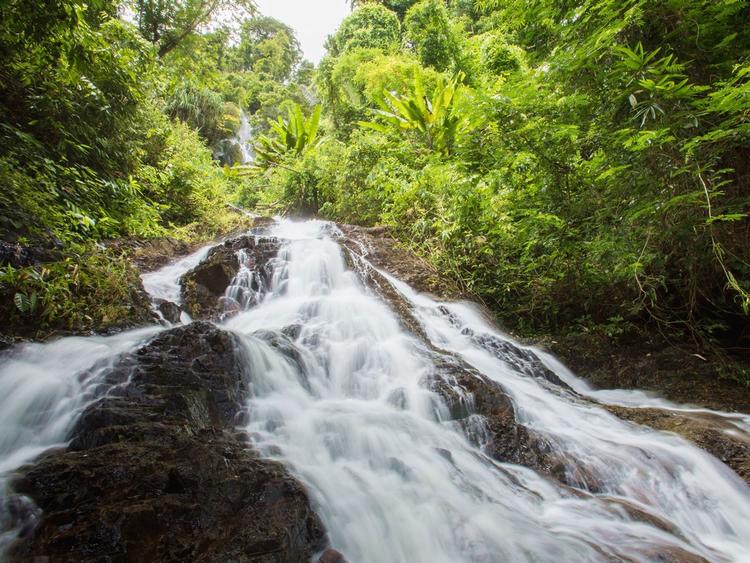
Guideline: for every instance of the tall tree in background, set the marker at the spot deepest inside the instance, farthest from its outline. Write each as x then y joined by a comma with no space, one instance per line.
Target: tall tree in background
166,23
398,6
268,46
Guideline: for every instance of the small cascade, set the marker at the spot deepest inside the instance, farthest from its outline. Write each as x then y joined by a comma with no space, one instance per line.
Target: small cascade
244,139
342,396
237,149
44,387
246,289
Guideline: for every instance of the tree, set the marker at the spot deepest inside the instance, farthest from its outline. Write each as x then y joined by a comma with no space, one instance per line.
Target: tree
166,24
268,46
398,6
428,32
434,118
371,26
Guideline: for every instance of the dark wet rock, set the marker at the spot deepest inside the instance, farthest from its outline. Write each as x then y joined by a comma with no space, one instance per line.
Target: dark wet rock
203,288
383,251
150,254
170,311
676,374
380,285
488,417
332,556
19,255
292,331
6,342
156,471
521,360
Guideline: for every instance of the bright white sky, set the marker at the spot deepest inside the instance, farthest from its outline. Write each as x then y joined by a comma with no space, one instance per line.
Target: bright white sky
312,20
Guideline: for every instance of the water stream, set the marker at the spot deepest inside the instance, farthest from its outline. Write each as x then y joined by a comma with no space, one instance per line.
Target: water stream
338,395
45,387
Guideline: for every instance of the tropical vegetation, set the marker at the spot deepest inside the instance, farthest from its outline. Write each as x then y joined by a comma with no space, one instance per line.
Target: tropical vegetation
578,166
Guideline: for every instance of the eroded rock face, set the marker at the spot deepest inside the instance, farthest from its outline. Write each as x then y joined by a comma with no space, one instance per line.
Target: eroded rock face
712,433
170,311
488,417
383,251
203,287
156,471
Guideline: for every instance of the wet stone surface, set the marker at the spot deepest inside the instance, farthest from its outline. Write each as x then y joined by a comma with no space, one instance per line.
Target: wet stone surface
156,471
204,287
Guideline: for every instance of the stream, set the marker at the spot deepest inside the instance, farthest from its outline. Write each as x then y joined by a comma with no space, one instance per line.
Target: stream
393,475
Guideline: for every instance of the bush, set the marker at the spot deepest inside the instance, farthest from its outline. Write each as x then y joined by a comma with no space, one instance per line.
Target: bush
90,290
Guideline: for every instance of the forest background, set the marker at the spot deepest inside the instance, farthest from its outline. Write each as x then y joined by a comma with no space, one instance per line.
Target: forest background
578,166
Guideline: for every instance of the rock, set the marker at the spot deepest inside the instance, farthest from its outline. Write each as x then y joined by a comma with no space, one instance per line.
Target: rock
203,288
674,373
712,433
156,472
170,311
332,556
521,360
384,252
6,342
150,254
487,415
20,256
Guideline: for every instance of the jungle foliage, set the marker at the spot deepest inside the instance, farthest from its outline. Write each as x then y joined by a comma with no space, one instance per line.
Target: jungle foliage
112,116
580,166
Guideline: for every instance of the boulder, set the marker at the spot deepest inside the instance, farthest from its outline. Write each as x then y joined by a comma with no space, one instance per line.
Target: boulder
204,287
157,472
332,556
170,311
487,415
521,360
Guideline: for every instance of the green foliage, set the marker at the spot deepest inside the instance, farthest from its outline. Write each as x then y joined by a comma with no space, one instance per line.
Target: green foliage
89,153
295,134
268,46
166,24
90,289
590,176
428,31
434,118
352,83
398,6
201,108
371,26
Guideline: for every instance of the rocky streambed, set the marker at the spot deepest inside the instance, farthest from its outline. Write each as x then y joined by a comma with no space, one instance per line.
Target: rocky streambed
174,458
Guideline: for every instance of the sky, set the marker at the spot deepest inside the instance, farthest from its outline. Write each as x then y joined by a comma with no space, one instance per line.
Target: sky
312,20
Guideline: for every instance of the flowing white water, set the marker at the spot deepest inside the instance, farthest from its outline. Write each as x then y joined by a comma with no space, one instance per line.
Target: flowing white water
45,387
344,406
164,283
339,396
635,398
243,139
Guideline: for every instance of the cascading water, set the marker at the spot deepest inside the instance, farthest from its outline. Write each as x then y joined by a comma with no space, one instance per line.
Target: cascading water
239,148
45,387
338,395
394,480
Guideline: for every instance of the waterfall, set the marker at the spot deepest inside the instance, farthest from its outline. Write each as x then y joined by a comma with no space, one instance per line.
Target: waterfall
44,387
340,395
239,148
243,139
395,480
